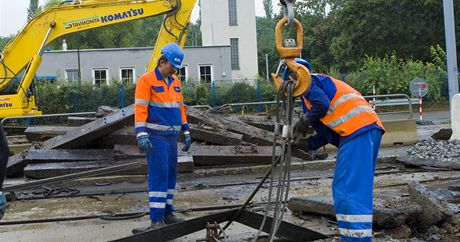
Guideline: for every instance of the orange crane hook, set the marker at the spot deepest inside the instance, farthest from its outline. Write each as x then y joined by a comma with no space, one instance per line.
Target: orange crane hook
303,80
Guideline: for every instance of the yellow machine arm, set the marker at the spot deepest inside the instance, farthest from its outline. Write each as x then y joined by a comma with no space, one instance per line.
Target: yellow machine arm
21,57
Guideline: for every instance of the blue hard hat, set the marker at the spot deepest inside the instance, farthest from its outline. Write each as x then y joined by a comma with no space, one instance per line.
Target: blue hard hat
300,61
174,54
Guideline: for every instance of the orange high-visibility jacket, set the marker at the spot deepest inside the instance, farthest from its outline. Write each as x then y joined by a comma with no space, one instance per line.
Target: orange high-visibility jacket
348,110
159,108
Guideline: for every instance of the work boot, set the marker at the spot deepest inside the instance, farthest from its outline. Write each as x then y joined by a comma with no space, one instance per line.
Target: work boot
154,225
172,219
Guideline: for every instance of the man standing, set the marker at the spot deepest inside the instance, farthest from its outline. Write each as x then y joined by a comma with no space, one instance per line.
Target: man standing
4,154
159,119
342,117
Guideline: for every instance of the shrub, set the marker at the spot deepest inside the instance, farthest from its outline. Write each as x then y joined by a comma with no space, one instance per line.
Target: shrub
393,75
70,96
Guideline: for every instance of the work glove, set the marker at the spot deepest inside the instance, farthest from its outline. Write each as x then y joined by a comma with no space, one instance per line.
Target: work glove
302,125
315,155
187,141
143,142
299,143
301,128
2,204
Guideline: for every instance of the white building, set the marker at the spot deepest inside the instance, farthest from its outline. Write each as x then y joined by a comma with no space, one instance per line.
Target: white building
232,22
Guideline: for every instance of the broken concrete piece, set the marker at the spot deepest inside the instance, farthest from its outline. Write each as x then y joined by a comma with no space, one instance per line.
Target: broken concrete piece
79,121
250,133
433,209
214,137
103,111
123,136
211,155
42,133
312,204
79,136
394,217
47,170
127,136
383,217
67,155
429,163
442,134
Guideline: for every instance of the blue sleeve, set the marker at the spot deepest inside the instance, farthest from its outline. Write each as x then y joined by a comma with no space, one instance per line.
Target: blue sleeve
319,103
316,141
323,136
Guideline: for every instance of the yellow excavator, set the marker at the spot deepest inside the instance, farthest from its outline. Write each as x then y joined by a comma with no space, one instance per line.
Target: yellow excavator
21,57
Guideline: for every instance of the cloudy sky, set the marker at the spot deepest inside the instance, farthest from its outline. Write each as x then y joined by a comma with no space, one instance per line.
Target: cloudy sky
13,14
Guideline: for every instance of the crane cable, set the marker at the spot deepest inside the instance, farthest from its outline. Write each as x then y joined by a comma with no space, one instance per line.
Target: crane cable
280,176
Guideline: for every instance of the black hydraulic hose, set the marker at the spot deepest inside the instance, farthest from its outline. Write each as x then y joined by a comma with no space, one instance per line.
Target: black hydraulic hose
66,1
3,79
173,13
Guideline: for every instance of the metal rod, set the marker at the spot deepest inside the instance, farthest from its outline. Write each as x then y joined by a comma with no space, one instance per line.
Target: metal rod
42,47
266,68
395,95
46,116
119,215
101,171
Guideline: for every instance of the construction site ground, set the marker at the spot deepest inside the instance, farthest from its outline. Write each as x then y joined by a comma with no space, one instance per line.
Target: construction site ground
210,187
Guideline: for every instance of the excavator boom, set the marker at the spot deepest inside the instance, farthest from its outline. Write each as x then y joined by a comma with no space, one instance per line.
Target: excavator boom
22,56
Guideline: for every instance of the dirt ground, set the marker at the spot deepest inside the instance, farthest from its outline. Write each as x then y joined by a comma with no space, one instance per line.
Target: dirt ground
198,191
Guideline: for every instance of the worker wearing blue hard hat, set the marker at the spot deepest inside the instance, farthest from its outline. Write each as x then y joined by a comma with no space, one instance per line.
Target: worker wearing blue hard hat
342,117
174,54
159,119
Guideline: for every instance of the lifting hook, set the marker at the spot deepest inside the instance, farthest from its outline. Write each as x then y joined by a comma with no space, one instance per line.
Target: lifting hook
303,79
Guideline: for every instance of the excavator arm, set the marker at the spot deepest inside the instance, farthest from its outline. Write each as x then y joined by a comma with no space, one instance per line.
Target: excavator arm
22,56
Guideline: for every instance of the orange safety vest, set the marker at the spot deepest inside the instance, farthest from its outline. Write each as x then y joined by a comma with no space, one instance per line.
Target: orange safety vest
348,110
159,108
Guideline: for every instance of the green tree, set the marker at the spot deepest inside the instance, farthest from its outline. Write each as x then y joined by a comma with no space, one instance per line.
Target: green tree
379,27
32,10
266,44
268,7
194,35
4,41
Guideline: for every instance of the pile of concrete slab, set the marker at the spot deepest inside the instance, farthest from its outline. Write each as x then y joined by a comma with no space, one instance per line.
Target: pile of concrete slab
110,140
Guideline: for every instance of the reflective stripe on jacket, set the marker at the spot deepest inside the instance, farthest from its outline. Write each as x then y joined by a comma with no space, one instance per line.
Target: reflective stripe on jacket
159,107
348,110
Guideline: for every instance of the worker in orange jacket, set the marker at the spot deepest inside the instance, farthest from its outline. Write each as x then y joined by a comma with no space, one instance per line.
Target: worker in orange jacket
342,117
159,119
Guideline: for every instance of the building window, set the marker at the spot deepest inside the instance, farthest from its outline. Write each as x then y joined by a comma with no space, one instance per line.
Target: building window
232,13
100,77
234,53
205,73
182,73
127,75
71,74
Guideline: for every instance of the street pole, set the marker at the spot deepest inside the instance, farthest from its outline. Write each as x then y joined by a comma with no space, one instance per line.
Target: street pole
452,69
266,66
79,67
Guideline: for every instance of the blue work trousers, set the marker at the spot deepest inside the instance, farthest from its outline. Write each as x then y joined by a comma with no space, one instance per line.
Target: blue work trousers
162,163
353,185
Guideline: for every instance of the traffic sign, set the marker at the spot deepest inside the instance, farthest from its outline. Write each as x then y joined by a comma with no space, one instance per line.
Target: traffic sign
418,87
